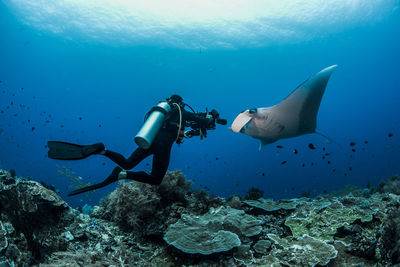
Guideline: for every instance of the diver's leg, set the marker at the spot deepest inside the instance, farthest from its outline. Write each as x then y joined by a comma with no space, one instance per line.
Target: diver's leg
137,156
110,179
160,167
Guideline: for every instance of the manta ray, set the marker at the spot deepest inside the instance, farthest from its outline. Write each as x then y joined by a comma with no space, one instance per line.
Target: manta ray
294,116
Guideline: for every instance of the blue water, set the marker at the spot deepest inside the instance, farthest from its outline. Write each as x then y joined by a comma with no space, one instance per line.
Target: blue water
85,91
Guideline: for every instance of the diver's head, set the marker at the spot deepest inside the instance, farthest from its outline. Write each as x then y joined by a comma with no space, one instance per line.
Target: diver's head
177,99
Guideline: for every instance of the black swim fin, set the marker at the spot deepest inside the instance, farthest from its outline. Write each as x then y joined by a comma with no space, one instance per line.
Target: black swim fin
68,151
110,179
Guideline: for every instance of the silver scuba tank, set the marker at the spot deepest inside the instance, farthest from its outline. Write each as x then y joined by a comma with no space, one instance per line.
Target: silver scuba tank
152,125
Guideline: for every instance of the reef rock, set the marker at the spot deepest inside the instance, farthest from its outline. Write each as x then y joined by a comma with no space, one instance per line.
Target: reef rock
31,218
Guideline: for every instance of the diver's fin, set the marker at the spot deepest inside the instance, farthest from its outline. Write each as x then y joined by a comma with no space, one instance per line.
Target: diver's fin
86,189
68,151
110,179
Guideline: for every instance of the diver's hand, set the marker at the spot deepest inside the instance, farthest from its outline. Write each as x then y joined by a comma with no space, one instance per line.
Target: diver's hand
191,133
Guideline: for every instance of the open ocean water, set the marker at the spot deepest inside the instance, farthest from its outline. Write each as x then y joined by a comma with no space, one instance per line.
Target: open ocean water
88,71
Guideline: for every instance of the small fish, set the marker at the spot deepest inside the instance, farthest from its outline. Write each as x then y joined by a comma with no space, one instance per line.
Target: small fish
33,128
327,154
216,158
80,118
329,162
283,162
365,142
262,174
352,144
302,165
350,168
323,149
99,125
390,135
353,150
333,170
295,151
323,157
311,146
312,163
279,146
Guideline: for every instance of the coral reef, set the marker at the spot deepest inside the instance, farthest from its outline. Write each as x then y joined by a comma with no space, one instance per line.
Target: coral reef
31,216
324,224
173,225
262,246
390,241
218,230
254,194
271,205
391,185
148,210
306,251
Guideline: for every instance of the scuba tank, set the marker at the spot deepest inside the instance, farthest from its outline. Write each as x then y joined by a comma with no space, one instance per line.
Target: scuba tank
152,125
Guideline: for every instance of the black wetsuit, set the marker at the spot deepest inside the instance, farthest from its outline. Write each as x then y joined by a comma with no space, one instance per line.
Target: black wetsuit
160,148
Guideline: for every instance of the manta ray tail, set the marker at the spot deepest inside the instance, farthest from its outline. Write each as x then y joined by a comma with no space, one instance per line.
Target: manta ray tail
328,139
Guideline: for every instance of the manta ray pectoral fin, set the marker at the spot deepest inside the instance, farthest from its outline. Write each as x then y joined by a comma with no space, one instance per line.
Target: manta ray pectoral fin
303,103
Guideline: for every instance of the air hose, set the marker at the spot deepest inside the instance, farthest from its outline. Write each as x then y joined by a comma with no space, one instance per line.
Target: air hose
180,122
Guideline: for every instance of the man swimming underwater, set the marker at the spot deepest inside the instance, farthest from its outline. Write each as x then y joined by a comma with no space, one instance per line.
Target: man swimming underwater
164,125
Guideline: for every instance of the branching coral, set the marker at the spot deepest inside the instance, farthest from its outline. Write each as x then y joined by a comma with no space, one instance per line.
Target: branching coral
254,193
133,205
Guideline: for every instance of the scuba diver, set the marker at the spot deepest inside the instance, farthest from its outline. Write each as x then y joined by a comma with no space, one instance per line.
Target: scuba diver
164,125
